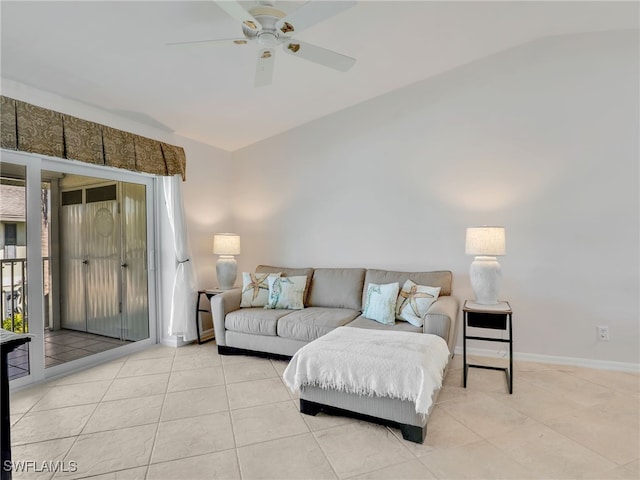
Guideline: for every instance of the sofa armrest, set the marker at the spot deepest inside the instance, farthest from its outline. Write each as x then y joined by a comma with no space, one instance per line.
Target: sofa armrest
441,319
221,304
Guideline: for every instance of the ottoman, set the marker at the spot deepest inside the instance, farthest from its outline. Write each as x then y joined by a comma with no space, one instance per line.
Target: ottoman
387,377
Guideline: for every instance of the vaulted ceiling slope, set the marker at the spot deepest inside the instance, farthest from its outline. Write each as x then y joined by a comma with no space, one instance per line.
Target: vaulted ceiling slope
114,55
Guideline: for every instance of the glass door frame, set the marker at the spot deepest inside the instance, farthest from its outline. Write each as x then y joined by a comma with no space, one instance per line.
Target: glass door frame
34,165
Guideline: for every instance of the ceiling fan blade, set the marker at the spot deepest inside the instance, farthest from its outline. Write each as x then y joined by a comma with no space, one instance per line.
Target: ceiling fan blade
264,67
235,10
320,55
311,13
217,41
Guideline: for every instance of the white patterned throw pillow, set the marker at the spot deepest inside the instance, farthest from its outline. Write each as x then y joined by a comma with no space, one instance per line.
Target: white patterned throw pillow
255,289
414,301
287,292
381,302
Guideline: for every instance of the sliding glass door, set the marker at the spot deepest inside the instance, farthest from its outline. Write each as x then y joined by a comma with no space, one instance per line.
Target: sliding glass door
93,239
103,273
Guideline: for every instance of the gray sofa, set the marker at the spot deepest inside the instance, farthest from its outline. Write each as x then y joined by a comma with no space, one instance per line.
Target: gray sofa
334,297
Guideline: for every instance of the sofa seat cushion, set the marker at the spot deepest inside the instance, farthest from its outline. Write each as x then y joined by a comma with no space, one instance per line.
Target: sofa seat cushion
313,322
362,322
257,321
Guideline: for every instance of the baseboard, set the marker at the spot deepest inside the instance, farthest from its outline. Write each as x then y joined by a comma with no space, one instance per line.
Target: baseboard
174,342
573,361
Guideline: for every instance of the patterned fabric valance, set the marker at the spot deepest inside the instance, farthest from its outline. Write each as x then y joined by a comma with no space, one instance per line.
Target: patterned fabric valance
29,128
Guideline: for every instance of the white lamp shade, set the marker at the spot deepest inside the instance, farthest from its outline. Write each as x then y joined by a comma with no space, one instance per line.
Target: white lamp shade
226,244
489,241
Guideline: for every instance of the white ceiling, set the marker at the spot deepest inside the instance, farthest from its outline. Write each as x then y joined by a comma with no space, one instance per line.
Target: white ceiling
113,55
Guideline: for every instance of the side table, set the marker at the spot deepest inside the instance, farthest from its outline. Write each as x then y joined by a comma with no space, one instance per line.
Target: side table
212,292
495,317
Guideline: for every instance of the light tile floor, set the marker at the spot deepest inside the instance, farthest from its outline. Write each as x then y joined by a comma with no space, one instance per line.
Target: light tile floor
189,413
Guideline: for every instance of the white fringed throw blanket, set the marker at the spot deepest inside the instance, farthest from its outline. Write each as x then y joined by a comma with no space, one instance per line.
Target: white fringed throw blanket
402,365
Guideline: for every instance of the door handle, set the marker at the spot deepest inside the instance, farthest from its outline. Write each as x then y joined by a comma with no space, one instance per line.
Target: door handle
124,265
85,262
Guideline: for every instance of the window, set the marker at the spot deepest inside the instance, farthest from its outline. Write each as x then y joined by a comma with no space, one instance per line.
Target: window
74,197
10,234
101,194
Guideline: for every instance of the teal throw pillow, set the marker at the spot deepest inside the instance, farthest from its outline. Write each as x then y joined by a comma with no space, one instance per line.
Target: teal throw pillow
381,302
287,292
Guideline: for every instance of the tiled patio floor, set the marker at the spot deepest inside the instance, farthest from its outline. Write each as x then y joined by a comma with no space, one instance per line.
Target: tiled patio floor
61,346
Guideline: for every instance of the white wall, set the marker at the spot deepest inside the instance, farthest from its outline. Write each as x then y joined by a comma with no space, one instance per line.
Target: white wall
542,139
207,203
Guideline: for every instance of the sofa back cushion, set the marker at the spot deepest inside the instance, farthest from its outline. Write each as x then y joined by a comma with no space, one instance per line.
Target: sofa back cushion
337,288
440,279
289,272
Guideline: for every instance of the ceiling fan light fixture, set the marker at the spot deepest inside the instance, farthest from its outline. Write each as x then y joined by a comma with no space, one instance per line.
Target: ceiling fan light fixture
287,28
250,24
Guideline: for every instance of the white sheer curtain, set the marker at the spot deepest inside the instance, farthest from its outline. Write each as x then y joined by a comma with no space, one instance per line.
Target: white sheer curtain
183,301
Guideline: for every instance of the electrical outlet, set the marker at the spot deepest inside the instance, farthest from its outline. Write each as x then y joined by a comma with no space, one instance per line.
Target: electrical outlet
603,333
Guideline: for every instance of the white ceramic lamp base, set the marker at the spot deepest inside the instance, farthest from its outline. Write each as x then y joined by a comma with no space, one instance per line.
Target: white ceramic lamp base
485,275
227,271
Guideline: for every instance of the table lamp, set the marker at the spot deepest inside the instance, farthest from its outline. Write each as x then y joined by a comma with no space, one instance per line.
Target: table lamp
486,243
226,245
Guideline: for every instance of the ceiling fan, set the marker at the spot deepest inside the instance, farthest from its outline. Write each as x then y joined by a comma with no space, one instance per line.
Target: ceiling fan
270,27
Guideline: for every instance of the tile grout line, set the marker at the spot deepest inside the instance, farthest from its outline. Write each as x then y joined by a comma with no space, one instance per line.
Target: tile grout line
512,458
578,442
77,437
578,377
315,439
233,431
155,435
